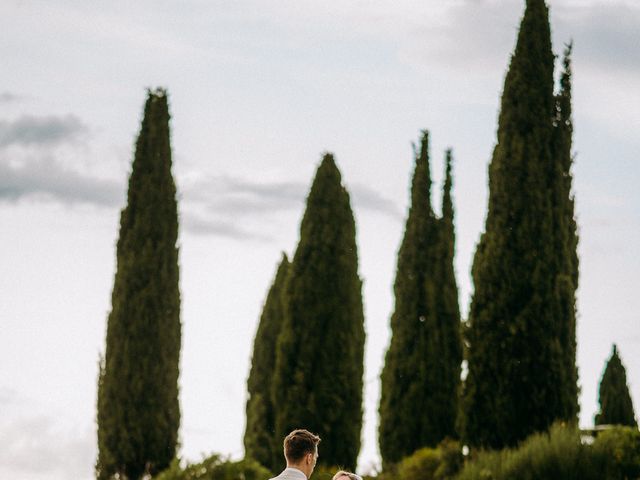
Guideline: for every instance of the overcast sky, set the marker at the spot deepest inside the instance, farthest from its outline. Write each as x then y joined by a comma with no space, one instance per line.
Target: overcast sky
258,91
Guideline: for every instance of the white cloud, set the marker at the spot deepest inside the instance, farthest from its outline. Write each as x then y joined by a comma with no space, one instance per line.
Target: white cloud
212,226
8,396
474,37
34,447
46,178
10,97
606,34
232,196
51,130
221,205
477,36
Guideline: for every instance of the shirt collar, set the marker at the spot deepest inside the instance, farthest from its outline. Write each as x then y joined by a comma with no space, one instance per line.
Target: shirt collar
298,473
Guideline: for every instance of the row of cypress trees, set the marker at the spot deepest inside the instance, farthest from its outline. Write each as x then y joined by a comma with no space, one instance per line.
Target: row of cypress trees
138,410
309,349
312,327
308,353
521,332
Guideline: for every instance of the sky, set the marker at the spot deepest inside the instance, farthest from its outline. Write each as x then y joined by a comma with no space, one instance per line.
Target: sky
258,91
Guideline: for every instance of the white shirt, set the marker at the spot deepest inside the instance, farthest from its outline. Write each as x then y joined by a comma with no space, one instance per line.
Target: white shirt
290,473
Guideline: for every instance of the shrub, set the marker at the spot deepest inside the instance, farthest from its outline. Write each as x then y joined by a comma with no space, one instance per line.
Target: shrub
451,459
486,465
439,463
323,472
617,453
216,467
556,455
422,464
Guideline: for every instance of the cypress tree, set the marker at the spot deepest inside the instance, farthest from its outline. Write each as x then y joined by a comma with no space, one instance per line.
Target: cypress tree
421,374
521,334
616,407
259,441
319,361
566,241
447,363
138,409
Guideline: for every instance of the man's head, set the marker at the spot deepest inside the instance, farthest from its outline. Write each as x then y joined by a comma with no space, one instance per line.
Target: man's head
301,450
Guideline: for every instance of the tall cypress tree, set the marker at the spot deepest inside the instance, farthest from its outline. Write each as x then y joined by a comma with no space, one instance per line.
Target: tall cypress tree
259,441
319,361
447,366
421,373
522,372
566,240
616,407
138,409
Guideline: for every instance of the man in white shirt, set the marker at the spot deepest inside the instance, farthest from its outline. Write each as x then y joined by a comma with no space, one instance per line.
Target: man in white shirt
301,453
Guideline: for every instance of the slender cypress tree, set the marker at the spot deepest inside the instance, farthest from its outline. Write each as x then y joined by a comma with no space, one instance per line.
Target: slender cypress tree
319,361
616,407
521,336
259,441
421,374
566,241
447,365
138,409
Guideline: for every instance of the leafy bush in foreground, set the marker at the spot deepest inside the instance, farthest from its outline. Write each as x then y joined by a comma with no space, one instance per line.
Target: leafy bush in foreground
323,472
438,463
617,453
560,455
557,455
216,467
421,464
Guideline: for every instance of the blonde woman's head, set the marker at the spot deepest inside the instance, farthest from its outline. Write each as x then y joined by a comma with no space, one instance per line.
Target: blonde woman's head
344,475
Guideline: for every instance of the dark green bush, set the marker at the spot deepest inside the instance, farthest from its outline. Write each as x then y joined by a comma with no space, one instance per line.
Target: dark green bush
440,463
422,464
560,455
617,453
451,459
324,472
556,455
216,467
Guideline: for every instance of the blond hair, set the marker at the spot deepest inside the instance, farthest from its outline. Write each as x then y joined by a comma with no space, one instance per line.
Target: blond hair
352,476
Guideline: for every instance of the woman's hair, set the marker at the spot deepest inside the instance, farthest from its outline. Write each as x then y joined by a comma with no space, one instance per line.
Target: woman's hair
341,473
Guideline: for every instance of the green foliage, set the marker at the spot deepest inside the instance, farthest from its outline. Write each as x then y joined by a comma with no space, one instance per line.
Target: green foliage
616,406
422,364
422,464
439,463
521,334
324,472
446,363
617,452
317,382
560,455
259,441
451,459
216,467
557,455
138,410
